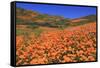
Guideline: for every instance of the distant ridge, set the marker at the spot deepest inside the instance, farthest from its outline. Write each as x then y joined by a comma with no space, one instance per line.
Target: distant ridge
28,17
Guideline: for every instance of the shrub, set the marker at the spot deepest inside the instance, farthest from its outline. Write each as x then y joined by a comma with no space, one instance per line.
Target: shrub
32,26
37,32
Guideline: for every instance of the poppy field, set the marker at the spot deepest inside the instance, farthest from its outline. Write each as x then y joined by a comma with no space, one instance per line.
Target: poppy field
76,44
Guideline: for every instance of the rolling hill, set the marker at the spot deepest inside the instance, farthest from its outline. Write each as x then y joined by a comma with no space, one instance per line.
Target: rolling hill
28,17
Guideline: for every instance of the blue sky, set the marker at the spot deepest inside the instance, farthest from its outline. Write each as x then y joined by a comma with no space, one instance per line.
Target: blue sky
65,11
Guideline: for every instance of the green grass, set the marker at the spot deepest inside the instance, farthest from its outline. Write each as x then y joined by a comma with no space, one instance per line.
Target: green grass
80,23
21,32
32,26
37,32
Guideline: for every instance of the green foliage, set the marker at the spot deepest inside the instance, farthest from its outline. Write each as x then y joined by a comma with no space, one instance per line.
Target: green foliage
42,16
19,21
80,23
61,24
77,58
21,32
33,26
91,18
37,32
